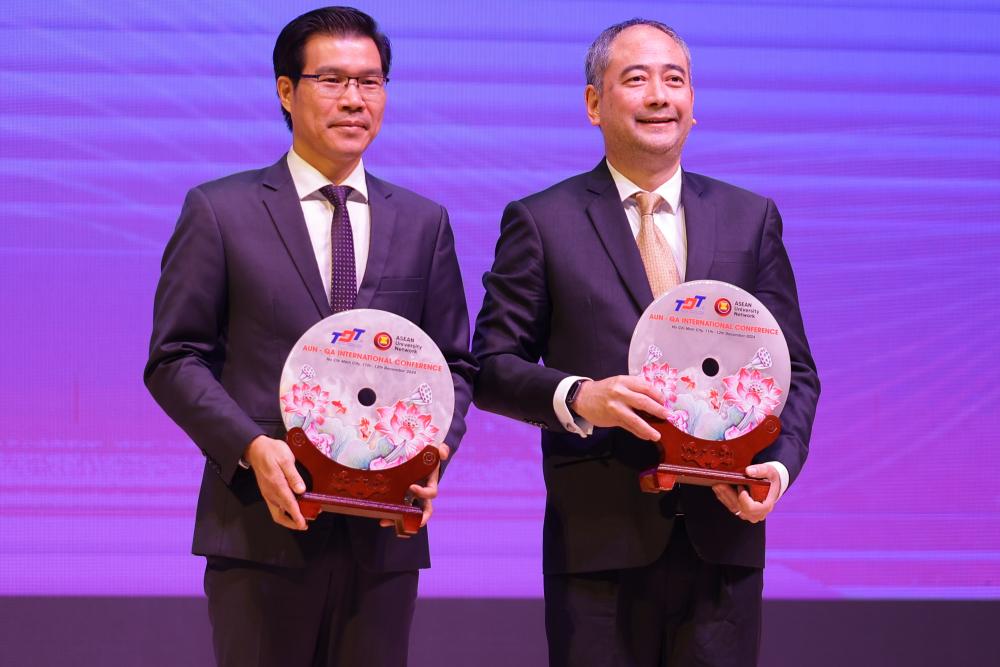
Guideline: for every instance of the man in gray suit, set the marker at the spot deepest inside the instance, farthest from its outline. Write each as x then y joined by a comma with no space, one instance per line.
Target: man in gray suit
256,259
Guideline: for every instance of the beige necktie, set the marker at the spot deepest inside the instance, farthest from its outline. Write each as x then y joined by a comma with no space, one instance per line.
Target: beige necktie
653,247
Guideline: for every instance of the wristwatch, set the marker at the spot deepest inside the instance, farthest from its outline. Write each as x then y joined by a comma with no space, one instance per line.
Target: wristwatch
573,394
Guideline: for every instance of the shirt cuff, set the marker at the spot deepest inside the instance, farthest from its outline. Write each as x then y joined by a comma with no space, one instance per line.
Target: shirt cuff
782,474
574,424
243,461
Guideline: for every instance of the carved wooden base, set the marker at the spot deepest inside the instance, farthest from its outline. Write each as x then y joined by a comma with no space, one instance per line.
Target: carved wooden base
406,517
686,459
378,494
663,478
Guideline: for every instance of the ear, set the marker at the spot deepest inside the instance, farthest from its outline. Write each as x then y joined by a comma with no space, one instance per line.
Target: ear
593,105
285,88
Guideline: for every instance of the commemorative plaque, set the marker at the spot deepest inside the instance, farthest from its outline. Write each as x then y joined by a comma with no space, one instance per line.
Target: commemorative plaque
365,396
721,362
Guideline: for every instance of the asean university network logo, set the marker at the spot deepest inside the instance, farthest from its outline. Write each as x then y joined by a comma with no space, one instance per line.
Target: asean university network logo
723,307
383,340
346,336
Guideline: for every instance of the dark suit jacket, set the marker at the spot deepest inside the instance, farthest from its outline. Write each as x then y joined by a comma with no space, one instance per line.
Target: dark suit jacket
567,287
239,285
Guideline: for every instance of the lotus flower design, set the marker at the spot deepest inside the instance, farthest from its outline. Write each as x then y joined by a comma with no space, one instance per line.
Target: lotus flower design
405,425
308,401
662,377
750,391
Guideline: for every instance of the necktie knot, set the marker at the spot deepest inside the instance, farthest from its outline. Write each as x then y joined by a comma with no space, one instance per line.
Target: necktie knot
648,202
336,194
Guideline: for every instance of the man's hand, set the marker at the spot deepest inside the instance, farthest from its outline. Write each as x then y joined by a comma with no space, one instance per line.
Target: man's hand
738,501
426,494
273,464
614,401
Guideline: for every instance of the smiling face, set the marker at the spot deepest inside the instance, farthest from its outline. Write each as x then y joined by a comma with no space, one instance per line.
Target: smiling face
645,105
332,132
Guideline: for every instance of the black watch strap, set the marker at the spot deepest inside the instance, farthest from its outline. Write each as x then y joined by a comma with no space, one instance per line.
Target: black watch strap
572,394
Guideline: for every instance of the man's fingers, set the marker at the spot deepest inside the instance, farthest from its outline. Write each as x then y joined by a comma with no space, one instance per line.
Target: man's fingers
644,403
772,493
640,386
720,491
753,511
281,499
294,514
747,503
738,501
428,508
638,426
284,518
445,451
426,492
273,465
292,475
727,496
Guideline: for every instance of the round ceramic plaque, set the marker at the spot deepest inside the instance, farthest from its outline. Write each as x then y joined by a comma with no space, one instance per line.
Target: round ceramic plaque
718,356
369,388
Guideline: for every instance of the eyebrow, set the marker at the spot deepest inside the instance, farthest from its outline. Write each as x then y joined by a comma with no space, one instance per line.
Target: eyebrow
646,68
328,69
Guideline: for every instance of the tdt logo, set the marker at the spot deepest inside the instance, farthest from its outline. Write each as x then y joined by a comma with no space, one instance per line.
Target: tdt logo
383,340
689,303
346,336
723,307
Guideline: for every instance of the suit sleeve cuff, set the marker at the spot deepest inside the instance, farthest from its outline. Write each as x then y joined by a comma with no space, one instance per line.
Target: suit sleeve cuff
782,474
576,425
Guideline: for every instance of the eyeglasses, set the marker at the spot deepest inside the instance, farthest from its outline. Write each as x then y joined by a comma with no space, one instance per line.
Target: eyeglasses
335,85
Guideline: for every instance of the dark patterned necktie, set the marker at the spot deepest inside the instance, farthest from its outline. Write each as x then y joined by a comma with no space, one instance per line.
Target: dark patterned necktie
343,275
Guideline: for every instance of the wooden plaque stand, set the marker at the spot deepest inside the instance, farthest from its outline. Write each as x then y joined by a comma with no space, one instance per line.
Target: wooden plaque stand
378,494
686,459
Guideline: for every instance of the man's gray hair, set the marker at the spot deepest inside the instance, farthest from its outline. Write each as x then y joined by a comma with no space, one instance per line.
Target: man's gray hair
599,52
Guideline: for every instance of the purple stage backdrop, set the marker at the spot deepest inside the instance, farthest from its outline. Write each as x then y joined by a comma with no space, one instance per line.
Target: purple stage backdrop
874,126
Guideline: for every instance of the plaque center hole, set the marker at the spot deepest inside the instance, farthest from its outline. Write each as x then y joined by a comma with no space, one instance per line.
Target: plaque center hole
710,367
366,397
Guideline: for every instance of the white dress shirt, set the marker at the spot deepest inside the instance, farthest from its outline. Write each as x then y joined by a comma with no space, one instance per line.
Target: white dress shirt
669,218
318,212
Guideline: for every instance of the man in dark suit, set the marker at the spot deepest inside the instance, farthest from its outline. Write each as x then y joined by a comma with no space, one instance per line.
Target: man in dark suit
256,259
634,578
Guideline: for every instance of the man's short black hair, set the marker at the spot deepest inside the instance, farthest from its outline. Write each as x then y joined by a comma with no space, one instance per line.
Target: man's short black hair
339,21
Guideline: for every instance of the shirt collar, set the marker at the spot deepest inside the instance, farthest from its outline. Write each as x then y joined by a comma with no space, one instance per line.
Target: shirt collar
308,180
670,191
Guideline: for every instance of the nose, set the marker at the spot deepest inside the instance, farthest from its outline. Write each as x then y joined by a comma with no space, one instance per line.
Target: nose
351,98
656,93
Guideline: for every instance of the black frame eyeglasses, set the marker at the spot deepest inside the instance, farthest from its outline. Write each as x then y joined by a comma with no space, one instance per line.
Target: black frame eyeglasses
335,85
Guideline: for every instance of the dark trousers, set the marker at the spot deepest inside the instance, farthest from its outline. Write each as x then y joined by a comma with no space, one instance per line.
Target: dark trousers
678,611
333,612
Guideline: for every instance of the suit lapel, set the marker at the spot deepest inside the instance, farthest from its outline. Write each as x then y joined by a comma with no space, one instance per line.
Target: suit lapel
383,226
699,223
608,217
282,203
